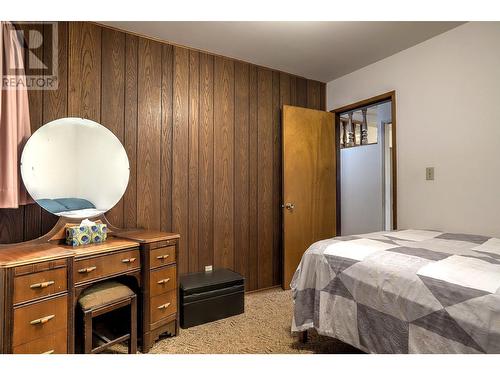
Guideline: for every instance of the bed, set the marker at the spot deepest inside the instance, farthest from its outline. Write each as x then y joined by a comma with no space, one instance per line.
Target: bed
408,291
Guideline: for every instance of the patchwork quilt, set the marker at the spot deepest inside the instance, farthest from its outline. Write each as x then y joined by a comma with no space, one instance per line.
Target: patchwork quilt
408,291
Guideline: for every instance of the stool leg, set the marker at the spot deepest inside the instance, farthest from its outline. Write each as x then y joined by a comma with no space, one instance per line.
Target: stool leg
132,347
147,342
87,332
303,337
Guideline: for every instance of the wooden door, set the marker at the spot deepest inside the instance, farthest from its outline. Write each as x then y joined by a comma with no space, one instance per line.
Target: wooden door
309,183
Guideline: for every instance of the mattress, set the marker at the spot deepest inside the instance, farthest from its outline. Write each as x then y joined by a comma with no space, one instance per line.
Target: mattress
408,291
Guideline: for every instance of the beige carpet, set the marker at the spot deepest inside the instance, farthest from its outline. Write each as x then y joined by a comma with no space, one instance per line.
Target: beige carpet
263,328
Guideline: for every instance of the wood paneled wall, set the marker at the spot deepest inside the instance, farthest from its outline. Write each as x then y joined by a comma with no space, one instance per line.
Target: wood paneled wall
203,136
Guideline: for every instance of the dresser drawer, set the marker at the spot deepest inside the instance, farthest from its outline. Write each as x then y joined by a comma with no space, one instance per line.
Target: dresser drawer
165,243
163,306
39,319
39,267
105,265
162,256
55,343
162,280
39,284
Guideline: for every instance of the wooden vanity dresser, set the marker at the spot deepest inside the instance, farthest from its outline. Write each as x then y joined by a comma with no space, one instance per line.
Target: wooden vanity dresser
41,280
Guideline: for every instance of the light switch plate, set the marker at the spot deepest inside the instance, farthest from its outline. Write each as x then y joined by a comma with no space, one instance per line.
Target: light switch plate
208,268
429,173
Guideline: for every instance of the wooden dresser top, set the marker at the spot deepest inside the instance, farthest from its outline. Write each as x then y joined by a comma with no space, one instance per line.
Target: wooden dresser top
20,254
146,236
33,251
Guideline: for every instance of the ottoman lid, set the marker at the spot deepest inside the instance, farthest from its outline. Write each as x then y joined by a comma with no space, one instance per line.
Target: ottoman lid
200,282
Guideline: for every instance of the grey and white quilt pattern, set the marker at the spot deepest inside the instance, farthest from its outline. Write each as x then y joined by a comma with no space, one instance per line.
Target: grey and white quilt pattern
408,291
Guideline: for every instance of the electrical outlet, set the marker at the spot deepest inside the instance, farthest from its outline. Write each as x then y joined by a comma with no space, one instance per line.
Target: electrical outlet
208,268
429,173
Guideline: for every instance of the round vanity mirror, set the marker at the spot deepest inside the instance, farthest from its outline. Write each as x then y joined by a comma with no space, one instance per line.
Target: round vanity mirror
75,168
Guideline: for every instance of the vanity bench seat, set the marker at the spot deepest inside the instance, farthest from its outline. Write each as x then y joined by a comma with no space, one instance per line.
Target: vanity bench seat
41,280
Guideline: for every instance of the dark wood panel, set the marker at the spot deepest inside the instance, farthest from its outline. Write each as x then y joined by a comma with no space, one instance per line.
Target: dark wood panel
206,162
130,131
84,75
32,212
113,97
202,134
11,225
322,98
301,92
32,221
223,162
166,139
194,83
313,94
241,168
149,132
276,204
286,92
293,90
55,102
180,180
253,176
265,175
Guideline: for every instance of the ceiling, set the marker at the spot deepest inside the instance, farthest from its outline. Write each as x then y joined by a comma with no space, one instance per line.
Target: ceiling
316,50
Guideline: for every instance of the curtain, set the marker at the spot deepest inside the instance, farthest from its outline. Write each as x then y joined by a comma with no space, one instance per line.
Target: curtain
14,118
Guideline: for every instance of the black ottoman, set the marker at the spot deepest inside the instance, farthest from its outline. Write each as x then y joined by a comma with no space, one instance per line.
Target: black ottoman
209,296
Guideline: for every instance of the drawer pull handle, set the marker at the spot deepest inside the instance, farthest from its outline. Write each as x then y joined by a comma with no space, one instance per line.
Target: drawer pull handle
43,320
162,257
128,260
164,281
161,307
42,285
87,270
49,352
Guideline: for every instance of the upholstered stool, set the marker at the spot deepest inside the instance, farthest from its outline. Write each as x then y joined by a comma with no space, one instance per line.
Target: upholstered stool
104,298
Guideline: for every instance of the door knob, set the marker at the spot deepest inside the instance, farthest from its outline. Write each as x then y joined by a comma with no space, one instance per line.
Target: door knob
289,206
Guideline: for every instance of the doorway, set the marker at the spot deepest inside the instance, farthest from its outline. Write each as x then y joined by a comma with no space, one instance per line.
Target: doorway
366,198
316,150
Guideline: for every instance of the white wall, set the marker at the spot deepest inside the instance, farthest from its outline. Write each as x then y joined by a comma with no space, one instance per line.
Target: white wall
448,116
361,189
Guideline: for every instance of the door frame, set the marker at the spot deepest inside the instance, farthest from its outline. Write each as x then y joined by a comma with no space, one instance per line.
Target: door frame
391,95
